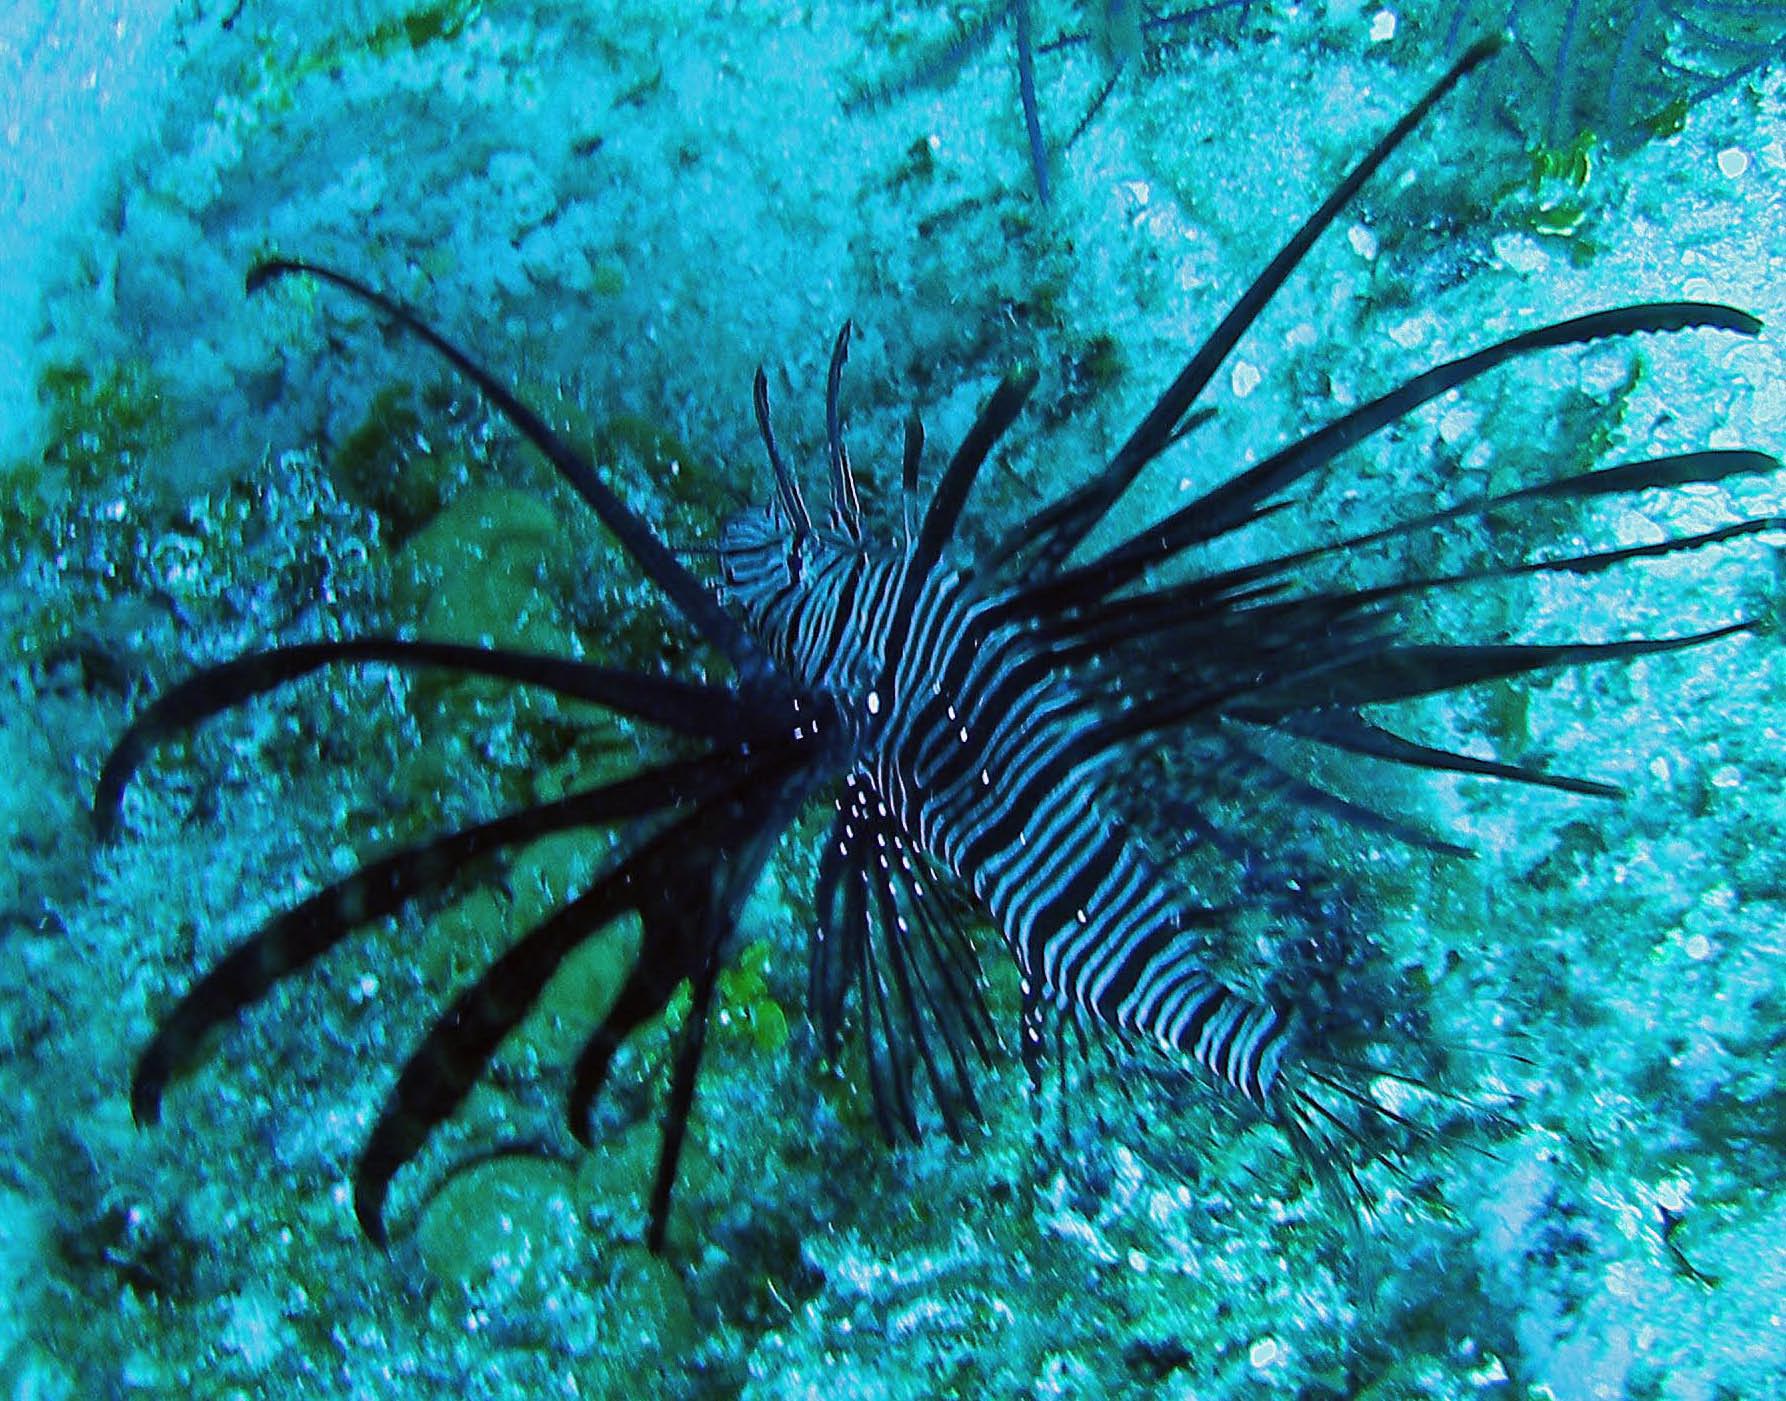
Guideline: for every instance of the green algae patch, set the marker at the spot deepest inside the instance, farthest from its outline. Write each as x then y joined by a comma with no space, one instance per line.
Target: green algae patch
496,566
497,1216
580,994
748,1016
438,22
481,573
649,1295
551,870
103,422
1506,711
1554,201
607,277
640,451
462,941
524,566
427,24
389,464
94,543
471,933
278,74
101,425
614,1177
614,1183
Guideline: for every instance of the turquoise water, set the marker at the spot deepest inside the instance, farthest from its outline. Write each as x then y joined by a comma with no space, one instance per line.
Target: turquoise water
627,210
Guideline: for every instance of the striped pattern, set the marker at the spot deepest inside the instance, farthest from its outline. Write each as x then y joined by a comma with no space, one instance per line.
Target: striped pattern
820,606
990,762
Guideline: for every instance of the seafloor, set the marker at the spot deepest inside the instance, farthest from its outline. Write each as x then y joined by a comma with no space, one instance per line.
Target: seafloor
627,206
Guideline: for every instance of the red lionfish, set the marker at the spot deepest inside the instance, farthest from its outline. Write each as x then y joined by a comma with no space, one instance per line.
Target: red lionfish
970,721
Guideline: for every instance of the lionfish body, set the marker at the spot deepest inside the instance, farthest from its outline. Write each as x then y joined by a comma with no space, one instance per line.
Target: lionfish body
976,725
1094,926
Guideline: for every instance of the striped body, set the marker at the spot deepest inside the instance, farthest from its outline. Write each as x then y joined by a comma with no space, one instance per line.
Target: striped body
989,762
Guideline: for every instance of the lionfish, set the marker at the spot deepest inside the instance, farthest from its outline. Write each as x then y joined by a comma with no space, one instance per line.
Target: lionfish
970,722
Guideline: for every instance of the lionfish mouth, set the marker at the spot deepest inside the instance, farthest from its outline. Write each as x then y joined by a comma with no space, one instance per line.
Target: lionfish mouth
981,728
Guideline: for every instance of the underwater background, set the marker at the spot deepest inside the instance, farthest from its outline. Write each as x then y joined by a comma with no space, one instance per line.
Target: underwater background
626,207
